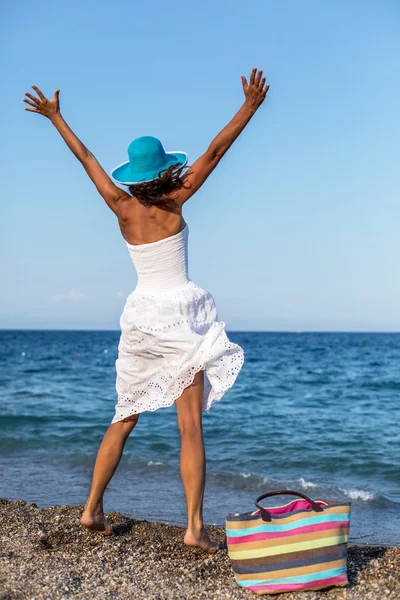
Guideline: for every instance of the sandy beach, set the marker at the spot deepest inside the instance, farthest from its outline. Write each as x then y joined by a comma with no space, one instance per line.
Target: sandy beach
47,555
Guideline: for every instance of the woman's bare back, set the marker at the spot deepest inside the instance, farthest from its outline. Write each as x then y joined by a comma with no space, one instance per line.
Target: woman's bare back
143,225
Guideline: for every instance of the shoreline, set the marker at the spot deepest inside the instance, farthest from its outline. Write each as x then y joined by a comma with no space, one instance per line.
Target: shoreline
47,555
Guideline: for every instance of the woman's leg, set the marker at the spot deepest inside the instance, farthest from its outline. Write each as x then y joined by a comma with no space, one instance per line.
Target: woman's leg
193,461
108,457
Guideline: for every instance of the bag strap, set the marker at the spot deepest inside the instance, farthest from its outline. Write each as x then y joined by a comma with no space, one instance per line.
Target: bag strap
266,515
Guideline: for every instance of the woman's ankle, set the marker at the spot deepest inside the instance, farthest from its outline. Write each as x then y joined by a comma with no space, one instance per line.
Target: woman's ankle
195,526
94,508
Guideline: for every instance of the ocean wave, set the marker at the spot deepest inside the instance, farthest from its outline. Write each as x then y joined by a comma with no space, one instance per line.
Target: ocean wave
391,385
307,484
245,481
250,482
49,369
355,494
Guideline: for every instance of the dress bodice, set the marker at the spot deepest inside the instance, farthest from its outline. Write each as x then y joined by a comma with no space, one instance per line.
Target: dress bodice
161,265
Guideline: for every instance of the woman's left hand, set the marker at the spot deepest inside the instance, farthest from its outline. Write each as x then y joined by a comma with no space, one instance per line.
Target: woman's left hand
43,106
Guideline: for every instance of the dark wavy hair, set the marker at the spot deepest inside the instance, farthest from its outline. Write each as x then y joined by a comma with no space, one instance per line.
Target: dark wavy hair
159,192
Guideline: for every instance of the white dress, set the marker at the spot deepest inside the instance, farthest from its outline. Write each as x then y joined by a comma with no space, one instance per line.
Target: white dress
169,331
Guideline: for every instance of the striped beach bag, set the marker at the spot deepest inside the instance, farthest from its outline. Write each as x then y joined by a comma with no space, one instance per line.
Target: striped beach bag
301,545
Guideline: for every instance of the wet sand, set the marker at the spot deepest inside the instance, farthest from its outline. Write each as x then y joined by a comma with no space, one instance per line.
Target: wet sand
45,554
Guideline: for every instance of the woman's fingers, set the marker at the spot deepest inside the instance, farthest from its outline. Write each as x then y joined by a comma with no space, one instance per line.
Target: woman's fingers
32,97
256,78
39,93
244,81
32,110
30,103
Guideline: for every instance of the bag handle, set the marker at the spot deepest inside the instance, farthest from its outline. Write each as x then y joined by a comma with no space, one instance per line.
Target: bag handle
266,515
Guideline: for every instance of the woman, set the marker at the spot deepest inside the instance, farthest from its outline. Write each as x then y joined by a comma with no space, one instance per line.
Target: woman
170,334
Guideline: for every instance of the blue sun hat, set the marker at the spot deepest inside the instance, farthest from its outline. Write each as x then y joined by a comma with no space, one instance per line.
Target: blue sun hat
147,158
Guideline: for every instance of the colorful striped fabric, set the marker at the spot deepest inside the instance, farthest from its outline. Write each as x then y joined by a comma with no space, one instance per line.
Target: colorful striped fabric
299,549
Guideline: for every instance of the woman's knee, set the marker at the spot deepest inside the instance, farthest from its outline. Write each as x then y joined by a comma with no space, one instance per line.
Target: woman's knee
190,425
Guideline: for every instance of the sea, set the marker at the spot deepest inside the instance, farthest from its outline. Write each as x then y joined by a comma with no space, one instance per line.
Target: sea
316,413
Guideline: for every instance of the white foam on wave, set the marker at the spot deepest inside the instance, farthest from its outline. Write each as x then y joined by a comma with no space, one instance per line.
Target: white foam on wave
153,463
307,484
355,494
245,474
266,480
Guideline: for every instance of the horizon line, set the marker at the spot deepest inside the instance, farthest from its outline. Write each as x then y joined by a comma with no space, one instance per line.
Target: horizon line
298,331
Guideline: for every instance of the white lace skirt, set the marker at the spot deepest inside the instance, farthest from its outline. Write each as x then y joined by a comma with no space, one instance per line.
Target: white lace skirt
165,339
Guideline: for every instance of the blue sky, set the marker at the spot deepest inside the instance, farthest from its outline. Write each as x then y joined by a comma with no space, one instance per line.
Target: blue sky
297,229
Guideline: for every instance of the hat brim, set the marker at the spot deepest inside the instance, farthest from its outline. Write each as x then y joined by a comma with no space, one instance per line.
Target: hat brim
124,174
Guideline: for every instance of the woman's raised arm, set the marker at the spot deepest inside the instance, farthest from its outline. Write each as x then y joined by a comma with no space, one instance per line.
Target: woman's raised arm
255,92
51,109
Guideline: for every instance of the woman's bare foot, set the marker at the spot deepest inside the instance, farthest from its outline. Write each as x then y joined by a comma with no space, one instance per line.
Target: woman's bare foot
96,523
201,540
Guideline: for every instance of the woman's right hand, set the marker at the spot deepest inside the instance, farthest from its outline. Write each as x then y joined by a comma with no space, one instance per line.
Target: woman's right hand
255,91
43,106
